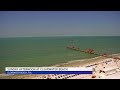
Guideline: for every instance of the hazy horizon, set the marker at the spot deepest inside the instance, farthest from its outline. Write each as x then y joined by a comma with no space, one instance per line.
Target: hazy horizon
59,23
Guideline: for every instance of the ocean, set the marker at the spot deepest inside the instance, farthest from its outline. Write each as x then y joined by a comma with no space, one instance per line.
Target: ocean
47,51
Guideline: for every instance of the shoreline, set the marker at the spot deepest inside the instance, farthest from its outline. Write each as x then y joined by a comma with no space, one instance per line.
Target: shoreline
85,61
73,63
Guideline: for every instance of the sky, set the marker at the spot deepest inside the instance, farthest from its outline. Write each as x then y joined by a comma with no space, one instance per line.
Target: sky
59,23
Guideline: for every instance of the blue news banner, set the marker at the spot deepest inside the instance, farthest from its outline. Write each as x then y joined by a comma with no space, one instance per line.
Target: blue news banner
47,70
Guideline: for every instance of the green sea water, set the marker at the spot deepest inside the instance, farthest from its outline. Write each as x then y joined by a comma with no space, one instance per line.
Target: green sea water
47,51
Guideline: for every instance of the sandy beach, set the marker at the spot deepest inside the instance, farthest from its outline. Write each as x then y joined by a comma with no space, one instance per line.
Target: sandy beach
104,68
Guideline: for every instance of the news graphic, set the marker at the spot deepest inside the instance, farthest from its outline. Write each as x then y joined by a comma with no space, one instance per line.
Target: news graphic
48,70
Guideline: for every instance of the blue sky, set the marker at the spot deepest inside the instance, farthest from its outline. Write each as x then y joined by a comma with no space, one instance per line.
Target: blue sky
59,23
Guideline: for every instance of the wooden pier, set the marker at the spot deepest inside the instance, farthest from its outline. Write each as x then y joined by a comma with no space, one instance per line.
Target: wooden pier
90,51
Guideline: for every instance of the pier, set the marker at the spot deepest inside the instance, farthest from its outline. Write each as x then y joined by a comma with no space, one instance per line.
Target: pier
90,51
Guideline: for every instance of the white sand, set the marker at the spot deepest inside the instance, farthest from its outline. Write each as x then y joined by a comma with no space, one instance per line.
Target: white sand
100,61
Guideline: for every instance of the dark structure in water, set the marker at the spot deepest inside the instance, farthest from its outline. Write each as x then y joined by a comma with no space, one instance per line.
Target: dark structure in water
90,51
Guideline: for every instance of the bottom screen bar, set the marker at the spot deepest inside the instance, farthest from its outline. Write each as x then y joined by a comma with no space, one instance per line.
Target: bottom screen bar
48,72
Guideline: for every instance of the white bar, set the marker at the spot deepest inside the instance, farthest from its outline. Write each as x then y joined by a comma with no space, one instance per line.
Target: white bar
48,69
